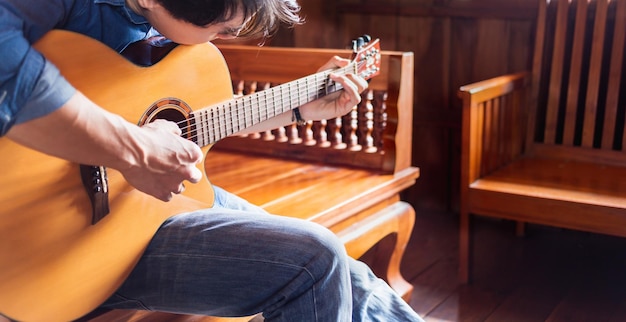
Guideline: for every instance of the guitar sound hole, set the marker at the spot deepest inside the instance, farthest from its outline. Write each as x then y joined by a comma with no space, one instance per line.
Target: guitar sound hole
173,110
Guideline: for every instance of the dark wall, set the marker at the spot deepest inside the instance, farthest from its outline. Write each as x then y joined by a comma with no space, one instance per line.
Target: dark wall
455,42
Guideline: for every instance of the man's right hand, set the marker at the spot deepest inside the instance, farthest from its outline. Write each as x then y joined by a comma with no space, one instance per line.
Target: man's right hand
164,166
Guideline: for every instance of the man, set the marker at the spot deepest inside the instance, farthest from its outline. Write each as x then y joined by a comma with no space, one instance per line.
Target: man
233,259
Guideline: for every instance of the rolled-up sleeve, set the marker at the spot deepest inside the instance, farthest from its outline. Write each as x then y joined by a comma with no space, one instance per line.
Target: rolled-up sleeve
50,91
30,87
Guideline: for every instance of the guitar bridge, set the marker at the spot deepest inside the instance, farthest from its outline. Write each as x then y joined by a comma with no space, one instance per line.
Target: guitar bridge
95,182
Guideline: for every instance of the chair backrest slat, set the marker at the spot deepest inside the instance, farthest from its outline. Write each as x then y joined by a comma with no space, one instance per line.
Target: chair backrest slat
578,74
615,75
556,70
595,68
576,66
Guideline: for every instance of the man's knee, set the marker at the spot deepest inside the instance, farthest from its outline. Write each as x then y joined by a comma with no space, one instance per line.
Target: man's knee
329,251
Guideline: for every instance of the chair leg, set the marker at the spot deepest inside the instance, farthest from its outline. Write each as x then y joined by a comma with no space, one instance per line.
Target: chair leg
397,219
406,223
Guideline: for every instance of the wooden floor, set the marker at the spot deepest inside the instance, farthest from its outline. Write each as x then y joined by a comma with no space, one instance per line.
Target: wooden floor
548,275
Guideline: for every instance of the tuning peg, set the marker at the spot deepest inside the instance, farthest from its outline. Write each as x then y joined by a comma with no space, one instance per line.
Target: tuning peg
360,42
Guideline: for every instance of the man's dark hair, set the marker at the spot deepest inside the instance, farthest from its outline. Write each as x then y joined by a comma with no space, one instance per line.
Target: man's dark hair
266,15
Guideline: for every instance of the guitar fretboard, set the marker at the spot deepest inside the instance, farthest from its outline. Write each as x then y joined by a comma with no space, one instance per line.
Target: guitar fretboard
222,120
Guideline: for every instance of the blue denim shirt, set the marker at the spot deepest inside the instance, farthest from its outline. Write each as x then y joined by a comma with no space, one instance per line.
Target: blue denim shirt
30,86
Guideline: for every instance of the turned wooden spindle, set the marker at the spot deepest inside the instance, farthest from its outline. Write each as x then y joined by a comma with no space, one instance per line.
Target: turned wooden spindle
366,123
308,137
350,125
334,133
380,117
321,136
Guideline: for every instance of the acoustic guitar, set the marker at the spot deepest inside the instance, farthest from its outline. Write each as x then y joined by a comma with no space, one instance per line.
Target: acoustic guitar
55,265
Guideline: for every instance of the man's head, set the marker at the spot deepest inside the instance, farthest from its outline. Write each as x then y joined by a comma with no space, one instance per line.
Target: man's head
195,21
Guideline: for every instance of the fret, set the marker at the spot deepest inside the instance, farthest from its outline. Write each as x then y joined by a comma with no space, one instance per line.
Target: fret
281,95
261,107
240,117
287,98
248,114
322,91
211,123
221,120
233,116
234,121
204,128
314,88
306,94
201,129
236,125
200,133
214,124
230,119
195,130
253,105
217,126
226,119
250,104
210,130
298,93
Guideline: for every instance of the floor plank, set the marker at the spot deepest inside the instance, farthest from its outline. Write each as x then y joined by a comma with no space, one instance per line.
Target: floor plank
547,275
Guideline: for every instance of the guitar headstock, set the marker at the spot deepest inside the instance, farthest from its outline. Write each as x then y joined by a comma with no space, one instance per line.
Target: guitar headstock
366,56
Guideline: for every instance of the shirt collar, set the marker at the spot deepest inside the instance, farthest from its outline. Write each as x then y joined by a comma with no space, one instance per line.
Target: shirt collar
131,15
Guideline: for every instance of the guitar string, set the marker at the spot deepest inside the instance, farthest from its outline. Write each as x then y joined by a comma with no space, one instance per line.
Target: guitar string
283,99
223,119
228,128
316,88
264,103
221,124
261,113
220,129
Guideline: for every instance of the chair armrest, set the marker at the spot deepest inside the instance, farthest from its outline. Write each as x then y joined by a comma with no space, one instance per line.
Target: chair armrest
494,123
494,87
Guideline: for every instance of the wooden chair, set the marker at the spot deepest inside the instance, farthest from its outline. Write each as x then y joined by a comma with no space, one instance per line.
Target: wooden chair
546,146
342,171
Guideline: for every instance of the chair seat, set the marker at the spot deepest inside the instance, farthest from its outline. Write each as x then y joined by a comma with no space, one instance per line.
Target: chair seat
566,180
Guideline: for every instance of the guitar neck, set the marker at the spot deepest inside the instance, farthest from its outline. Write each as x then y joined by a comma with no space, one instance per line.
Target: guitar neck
222,120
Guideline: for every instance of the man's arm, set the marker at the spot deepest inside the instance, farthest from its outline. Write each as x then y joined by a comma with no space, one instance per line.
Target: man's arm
41,110
327,107
153,158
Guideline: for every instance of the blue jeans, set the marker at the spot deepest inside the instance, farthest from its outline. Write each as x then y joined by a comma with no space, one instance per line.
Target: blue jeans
236,260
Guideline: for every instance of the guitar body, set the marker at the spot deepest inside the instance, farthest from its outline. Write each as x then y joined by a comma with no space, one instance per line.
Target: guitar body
54,264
